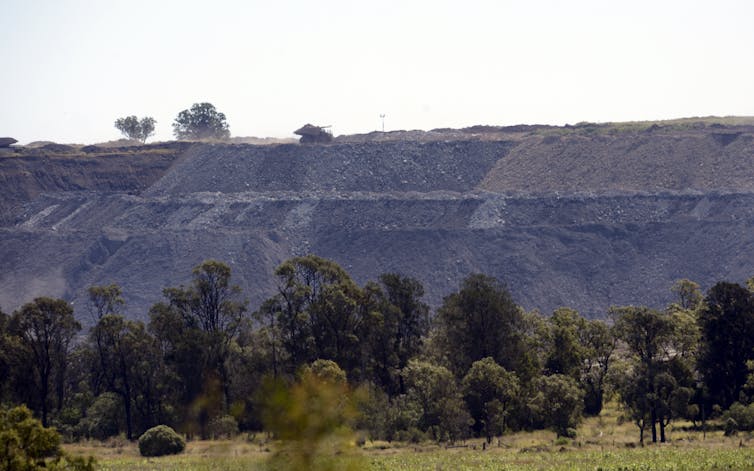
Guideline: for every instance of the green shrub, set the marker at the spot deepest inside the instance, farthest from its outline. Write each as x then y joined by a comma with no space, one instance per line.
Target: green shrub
562,441
326,370
103,417
373,413
742,415
161,440
26,445
412,435
731,426
559,402
312,417
223,426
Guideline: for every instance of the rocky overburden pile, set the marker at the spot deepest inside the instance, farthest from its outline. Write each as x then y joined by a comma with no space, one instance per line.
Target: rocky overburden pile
585,219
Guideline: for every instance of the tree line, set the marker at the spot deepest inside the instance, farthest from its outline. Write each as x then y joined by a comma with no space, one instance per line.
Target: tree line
479,366
201,121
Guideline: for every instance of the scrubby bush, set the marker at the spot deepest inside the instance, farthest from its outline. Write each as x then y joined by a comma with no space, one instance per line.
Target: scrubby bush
103,417
373,413
326,370
313,418
161,440
24,439
742,416
433,389
731,426
388,419
223,426
559,402
412,435
26,445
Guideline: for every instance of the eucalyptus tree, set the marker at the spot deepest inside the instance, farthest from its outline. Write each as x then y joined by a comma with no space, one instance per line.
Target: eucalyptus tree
481,320
105,299
201,121
395,324
581,349
726,322
490,393
197,328
126,359
319,312
46,328
656,383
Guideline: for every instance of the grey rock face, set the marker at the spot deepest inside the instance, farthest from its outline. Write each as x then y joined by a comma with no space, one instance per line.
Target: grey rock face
586,221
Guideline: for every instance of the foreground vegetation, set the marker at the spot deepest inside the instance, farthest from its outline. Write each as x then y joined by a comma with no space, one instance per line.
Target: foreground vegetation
604,444
325,364
669,458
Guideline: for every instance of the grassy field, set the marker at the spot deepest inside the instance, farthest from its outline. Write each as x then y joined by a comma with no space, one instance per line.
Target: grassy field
602,444
234,456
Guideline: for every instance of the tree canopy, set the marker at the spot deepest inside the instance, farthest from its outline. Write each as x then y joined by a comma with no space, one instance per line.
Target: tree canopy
482,367
201,121
135,128
200,324
490,393
481,320
727,328
656,385
45,328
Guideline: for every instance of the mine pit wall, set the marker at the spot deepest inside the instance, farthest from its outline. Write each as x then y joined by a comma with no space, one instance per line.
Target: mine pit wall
423,209
588,253
378,168
24,176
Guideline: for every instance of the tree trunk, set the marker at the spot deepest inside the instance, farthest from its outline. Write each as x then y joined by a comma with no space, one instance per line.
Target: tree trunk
226,396
225,379
125,394
60,388
203,424
662,431
126,397
654,426
44,393
127,405
641,424
274,355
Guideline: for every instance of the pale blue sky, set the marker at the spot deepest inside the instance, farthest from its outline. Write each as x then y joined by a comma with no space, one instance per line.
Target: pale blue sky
71,67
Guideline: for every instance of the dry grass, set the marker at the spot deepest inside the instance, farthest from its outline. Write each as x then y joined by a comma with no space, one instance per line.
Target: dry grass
120,454
603,443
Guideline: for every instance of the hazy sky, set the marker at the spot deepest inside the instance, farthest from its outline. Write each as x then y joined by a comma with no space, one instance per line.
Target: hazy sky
70,68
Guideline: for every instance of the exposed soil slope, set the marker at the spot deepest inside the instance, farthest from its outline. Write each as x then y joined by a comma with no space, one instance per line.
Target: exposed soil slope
28,172
581,217
644,162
